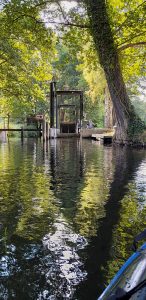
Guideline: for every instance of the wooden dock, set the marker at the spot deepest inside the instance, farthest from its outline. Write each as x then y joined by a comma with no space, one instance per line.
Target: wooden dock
21,130
103,135
89,133
104,138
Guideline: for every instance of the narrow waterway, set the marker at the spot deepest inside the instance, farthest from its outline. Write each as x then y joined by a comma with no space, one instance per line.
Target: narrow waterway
68,213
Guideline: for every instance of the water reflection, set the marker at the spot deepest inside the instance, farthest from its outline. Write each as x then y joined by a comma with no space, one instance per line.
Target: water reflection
66,269
140,180
132,220
69,211
94,193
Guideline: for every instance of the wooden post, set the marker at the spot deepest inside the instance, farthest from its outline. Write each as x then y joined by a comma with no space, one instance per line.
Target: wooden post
22,133
47,131
56,107
52,101
81,107
40,128
4,123
8,120
44,129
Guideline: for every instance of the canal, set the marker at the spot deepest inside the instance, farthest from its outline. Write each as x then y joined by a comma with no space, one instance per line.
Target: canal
68,213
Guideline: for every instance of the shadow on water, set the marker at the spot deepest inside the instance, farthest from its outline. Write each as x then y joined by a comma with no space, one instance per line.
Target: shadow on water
100,250
119,167
65,209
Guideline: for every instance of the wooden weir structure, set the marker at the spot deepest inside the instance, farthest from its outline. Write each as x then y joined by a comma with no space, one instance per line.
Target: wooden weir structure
66,111
66,119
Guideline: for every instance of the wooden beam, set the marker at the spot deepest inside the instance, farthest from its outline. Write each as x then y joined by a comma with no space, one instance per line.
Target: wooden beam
19,129
73,92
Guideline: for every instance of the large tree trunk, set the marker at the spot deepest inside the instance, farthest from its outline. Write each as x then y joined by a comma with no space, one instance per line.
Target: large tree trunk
109,121
108,57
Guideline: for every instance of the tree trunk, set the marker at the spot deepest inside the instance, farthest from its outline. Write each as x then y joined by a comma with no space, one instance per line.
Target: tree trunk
108,119
108,57
8,126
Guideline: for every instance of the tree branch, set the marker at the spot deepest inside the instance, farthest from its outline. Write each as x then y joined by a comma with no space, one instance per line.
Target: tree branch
127,19
132,38
131,45
61,9
70,24
52,22
3,62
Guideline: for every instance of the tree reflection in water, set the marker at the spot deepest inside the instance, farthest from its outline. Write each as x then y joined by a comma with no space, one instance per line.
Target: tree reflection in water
69,211
100,252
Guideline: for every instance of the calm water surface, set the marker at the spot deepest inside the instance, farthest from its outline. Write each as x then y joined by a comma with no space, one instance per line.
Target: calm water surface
69,212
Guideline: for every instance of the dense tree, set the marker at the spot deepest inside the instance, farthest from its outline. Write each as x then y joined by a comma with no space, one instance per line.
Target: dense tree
115,30
129,41
116,45
108,57
26,54
71,71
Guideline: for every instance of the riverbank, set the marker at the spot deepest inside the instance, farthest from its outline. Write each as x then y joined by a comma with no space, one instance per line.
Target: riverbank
139,143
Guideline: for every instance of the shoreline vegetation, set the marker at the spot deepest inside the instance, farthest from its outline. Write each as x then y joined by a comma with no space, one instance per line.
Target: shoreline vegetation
97,48
140,142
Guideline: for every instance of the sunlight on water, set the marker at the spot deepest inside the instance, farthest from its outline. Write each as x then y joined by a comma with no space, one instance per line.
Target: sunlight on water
64,245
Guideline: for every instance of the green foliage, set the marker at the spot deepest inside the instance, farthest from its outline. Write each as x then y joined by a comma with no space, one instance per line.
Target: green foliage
128,25
127,22
65,68
27,51
136,127
140,108
95,111
132,221
70,73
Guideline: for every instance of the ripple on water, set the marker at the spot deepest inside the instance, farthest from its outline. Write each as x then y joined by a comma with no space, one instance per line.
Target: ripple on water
64,245
140,179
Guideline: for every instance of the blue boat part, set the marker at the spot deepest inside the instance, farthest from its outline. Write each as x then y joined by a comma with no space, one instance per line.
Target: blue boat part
131,274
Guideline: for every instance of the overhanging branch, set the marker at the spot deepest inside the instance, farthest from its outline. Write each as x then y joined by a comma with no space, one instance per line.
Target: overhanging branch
82,26
130,39
132,45
127,19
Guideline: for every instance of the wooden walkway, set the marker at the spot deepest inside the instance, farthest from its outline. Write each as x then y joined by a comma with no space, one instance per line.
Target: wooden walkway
103,138
103,135
19,129
87,133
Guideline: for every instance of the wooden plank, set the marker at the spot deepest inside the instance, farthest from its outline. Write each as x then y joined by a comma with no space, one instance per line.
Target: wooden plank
52,102
102,136
70,92
87,133
68,135
19,129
